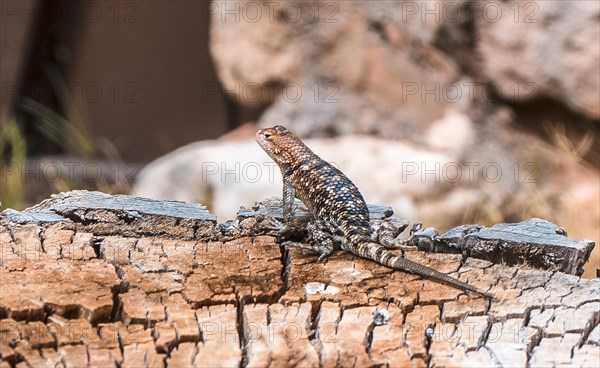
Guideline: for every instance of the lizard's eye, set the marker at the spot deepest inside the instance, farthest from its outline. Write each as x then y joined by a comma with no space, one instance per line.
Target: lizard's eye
267,136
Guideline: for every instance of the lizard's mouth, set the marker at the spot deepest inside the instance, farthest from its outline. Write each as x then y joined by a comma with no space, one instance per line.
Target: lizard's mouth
259,137
262,142
262,136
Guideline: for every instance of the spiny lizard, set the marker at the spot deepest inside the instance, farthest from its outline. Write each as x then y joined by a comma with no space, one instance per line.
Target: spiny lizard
339,208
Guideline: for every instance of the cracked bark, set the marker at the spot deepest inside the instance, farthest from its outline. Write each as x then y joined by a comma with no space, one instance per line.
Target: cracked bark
96,280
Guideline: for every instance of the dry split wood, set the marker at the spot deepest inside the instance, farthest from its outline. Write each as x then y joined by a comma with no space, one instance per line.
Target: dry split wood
89,279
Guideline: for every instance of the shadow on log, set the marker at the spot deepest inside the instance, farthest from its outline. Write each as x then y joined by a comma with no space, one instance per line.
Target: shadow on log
89,279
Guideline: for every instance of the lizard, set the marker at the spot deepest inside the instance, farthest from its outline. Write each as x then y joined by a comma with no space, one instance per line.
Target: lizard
339,208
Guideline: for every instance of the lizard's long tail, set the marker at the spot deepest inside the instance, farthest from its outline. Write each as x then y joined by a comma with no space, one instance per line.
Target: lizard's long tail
377,253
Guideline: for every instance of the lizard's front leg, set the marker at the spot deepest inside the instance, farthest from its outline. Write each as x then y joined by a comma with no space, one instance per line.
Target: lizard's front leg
284,228
288,199
287,229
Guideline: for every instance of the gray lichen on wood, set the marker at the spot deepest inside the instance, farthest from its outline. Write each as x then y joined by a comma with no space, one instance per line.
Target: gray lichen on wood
535,242
102,214
92,289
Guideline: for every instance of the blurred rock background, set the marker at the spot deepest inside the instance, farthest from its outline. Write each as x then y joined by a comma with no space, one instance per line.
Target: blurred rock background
450,111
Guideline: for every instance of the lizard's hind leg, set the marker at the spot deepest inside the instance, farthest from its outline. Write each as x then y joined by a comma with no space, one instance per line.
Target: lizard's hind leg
325,238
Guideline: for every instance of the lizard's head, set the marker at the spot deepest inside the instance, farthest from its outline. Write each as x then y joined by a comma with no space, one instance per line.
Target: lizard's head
281,145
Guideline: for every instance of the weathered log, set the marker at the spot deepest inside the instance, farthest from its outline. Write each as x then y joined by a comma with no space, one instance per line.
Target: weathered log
103,214
536,242
94,290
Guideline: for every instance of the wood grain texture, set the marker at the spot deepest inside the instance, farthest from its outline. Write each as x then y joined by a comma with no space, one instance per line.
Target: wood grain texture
120,296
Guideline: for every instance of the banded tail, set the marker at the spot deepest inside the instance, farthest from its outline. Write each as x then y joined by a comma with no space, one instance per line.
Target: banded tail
377,253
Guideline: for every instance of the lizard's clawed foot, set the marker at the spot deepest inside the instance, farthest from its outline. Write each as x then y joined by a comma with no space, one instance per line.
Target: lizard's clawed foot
281,230
289,232
270,223
386,232
322,239
322,250
401,244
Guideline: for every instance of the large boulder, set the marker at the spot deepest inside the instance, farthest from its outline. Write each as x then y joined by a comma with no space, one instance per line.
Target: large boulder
341,67
389,68
543,48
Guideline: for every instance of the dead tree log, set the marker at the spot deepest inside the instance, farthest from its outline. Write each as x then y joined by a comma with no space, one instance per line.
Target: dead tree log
89,279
